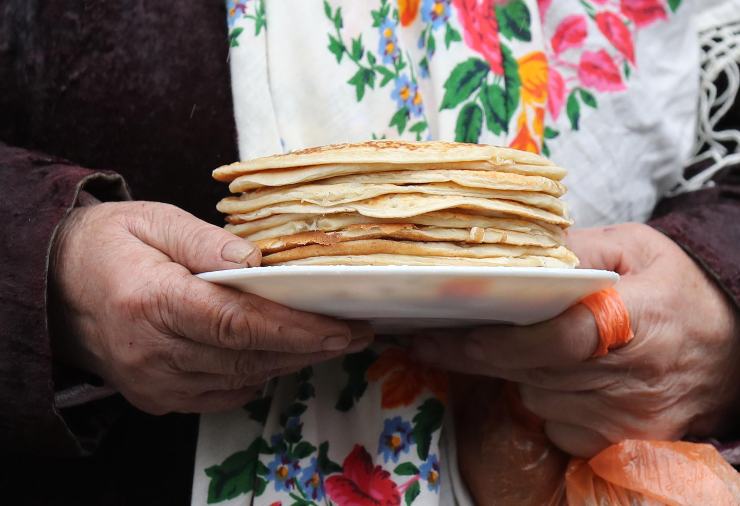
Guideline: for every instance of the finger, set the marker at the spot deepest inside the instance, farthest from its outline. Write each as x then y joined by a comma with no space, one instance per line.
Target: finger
576,440
226,318
569,339
189,356
193,243
583,409
626,248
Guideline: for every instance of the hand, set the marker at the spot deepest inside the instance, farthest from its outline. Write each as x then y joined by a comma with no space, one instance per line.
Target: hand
127,307
677,376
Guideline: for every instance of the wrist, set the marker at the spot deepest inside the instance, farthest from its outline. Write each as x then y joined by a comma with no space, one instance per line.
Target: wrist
65,331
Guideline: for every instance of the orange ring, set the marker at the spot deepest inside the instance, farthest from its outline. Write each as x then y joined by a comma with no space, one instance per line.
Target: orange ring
612,320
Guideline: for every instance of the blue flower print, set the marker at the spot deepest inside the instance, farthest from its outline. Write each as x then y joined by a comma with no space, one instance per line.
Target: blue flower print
429,472
283,471
388,45
312,481
236,9
395,439
436,12
407,94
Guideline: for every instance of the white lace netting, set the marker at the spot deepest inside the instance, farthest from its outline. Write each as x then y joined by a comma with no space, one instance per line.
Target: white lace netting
720,148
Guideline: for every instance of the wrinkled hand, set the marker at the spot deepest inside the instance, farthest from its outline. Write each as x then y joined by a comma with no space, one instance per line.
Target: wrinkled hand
677,376
127,307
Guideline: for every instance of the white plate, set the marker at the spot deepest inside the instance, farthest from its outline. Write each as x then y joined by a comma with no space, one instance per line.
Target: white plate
404,298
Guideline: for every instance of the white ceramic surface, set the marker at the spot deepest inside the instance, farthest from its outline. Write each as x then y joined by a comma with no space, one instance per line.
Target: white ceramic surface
401,299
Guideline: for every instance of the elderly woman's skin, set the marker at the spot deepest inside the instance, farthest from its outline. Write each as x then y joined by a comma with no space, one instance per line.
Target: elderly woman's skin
678,376
126,306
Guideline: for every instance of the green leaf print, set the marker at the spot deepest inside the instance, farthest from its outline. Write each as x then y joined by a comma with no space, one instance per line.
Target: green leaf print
512,82
258,409
412,493
493,100
355,365
573,108
336,47
469,123
357,48
363,77
514,20
303,450
338,23
388,76
674,5
451,35
234,36
326,465
406,469
236,475
426,421
400,119
464,80
551,133
327,9
588,98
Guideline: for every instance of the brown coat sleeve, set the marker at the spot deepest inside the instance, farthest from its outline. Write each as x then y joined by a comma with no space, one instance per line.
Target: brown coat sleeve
36,193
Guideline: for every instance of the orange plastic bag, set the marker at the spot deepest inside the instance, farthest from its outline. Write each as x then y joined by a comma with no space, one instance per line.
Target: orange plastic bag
653,473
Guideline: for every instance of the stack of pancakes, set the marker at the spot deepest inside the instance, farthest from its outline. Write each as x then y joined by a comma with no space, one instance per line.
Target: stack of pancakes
400,203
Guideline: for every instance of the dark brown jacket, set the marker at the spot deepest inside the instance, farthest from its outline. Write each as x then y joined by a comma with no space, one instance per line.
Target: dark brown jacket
142,89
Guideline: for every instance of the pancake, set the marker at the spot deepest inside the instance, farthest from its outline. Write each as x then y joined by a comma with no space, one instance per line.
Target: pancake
404,232
416,248
289,224
407,205
328,195
282,177
385,259
392,152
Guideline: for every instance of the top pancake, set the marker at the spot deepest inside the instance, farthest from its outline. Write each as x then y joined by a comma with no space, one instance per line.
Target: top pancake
399,153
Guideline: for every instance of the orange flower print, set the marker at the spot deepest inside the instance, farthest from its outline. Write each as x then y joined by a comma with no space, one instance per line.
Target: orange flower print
408,9
533,74
405,379
524,140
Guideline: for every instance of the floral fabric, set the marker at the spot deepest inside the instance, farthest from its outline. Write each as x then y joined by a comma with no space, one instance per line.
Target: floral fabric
606,88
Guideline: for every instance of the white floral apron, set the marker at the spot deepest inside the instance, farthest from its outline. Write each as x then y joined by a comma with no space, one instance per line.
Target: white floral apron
606,88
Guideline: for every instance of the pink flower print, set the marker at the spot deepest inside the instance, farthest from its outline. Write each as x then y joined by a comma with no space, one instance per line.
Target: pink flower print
643,12
614,29
480,26
543,5
555,92
570,33
597,70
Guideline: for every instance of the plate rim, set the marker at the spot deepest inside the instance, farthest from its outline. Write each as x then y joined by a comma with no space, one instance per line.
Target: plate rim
447,270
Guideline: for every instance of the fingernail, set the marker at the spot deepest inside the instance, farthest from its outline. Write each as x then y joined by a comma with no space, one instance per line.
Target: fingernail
335,343
473,349
426,349
241,252
360,330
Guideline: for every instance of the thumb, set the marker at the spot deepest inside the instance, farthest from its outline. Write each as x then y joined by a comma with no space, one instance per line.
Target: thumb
191,242
598,248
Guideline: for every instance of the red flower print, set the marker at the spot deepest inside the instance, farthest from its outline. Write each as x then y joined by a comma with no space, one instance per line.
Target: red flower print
643,12
408,10
571,32
614,29
361,483
597,70
480,26
555,92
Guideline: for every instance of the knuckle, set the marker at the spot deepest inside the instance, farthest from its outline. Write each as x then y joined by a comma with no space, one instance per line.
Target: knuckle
226,326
